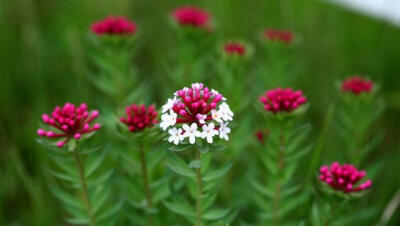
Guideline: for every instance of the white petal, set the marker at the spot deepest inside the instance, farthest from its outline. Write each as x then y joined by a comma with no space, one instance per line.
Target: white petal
192,139
185,127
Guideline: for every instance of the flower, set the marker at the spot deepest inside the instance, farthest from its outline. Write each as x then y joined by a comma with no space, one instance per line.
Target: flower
170,103
357,85
168,120
261,136
345,178
279,35
191,16
113,25
209,132
176,135
224,130
69,122
138,117
197,107
191,132
282,100
234,48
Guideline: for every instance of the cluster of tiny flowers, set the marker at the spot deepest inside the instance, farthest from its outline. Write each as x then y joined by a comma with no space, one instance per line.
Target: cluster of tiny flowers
193,108
343,177
234,48
138,117
69,122
282,100
278,35
114,26
191,16
357,85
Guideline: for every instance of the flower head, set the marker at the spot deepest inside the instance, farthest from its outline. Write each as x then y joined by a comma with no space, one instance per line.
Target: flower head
345,178
191,16
284,36
69,122
194,109
114,26
282,100
138,117
234,48
357,85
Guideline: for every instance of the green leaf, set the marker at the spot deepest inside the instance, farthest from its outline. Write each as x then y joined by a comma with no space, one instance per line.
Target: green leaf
94,163
195,164
181,147
112,211
217,173
65,177
263,190
67,198
215,214
100,197
179,166
180,208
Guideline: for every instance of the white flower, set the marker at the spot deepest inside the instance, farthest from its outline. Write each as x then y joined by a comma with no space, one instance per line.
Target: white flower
201,118
224,130
216,115
209,132
225,112
197,86
191,132
168,120
176,135
170,103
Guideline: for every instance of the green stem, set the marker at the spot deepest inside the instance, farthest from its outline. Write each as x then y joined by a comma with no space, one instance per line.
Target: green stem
199,207
281,159
146,185
85,192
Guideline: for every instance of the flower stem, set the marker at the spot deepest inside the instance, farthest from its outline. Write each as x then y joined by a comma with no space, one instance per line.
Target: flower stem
146,185
277,197
199,207
85,192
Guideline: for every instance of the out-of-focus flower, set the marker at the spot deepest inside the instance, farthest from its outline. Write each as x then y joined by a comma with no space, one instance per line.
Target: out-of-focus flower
234,48
113,25
357,85
279,35
139,117
282,100
191,16
345,178
261,136
69,122
194,108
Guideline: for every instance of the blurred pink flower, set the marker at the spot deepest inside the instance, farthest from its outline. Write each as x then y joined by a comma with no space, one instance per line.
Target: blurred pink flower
191,16
279,35
69,122
139,117
282,100
344,177
357,85
234,48
113,25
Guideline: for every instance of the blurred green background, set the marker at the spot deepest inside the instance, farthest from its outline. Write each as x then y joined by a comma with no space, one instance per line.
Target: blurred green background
43,63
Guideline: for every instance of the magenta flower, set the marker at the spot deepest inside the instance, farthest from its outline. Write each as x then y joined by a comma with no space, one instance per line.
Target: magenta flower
344,177
279,35
234,48
193,108
69,122
282,100
357,85
191,16
139,117
113,25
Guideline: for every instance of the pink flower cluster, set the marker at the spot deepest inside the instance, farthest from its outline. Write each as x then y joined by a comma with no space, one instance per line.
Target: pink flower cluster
191,16
344,177
139,117
279,35
70,122
357,85
234,48
282,100
195,104
114,26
